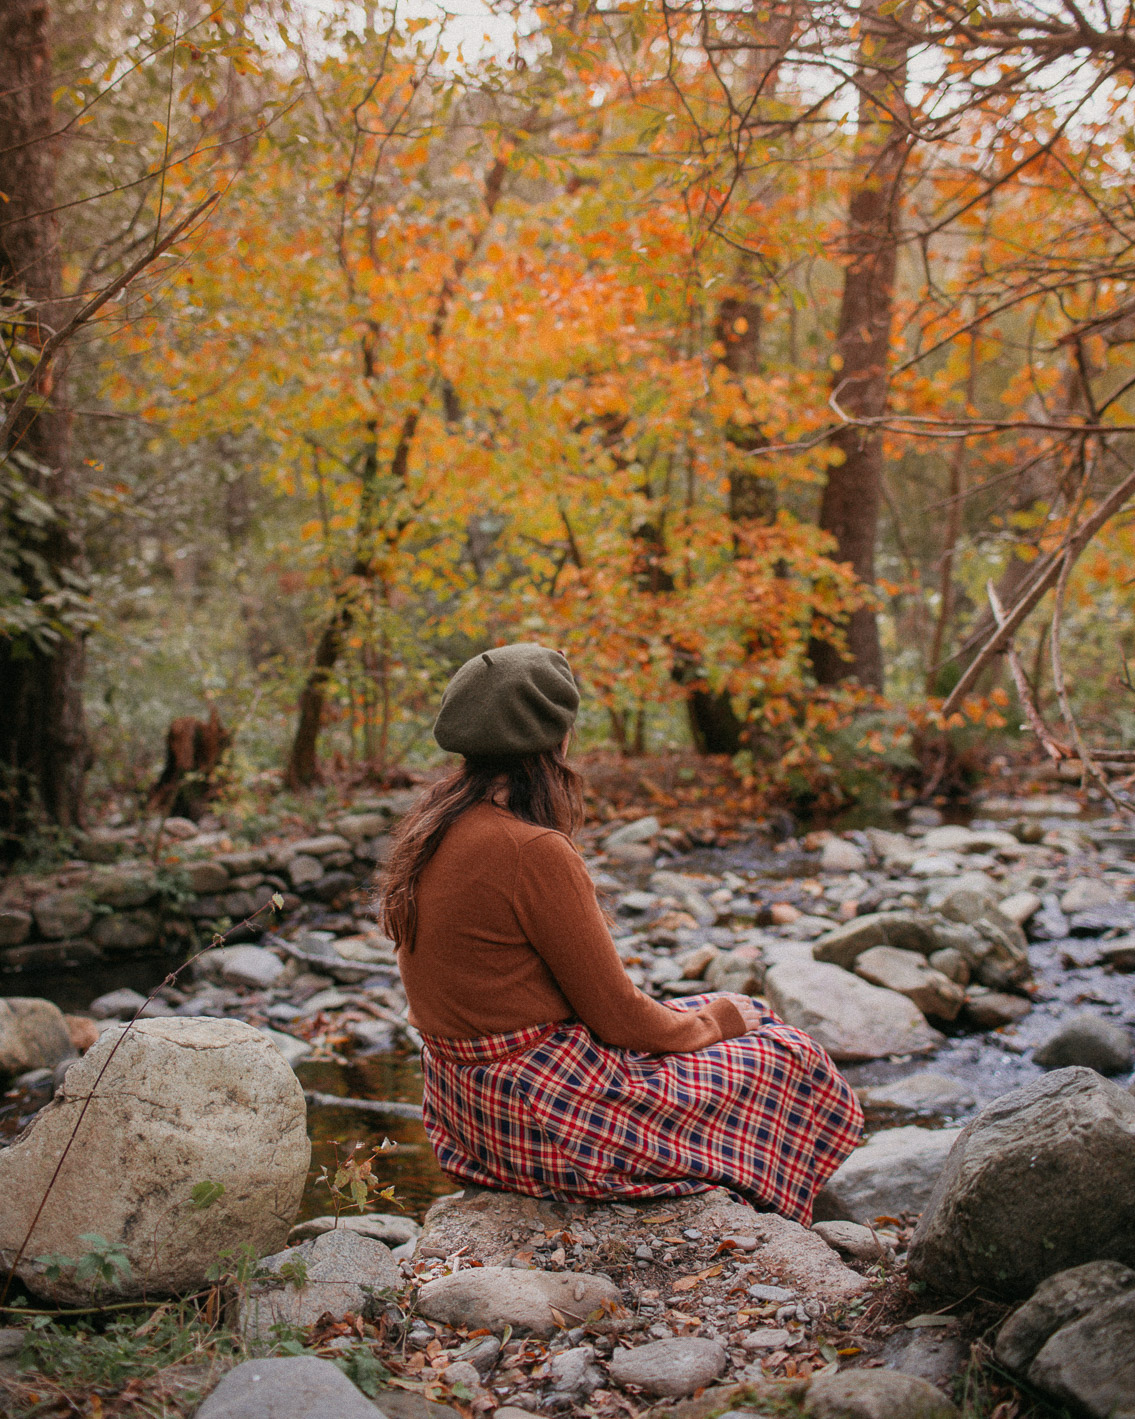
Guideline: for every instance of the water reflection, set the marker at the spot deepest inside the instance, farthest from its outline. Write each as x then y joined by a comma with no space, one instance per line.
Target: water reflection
412,1168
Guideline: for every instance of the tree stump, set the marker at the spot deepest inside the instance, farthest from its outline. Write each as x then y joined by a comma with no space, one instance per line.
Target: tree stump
194,750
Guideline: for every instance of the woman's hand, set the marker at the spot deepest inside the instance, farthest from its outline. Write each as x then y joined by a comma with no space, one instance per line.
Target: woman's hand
748,1011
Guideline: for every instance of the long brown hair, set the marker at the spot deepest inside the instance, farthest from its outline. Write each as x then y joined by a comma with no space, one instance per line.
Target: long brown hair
542,789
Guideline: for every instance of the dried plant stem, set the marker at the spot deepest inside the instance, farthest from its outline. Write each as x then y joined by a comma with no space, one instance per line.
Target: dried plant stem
1052,746
1047,573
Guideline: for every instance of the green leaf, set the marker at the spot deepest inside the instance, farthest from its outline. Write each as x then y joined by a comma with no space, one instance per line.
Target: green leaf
205,1193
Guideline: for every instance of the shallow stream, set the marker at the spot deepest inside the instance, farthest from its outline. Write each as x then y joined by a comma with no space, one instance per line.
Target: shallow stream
987,1065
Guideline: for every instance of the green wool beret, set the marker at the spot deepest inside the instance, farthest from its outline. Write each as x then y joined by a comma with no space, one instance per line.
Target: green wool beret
516,699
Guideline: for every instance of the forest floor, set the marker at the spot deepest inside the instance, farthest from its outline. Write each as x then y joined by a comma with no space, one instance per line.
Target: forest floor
712,843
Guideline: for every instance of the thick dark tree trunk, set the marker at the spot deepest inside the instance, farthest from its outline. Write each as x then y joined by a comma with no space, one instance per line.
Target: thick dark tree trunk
43,743
716,726
849,509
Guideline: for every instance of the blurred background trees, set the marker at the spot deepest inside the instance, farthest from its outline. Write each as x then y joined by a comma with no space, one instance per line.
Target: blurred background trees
731,348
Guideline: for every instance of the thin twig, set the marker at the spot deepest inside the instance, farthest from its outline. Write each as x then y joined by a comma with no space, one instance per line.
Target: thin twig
1052,747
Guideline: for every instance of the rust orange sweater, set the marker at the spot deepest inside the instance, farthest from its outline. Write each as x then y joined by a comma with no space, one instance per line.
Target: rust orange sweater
510,935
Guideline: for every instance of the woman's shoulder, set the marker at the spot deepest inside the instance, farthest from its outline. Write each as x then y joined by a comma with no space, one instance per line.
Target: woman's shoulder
489,822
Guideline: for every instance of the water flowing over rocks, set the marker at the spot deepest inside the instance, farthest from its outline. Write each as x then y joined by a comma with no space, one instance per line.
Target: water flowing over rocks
182,1102
1042,1180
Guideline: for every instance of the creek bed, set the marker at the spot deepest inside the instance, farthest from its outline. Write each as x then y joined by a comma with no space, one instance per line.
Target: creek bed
987,1065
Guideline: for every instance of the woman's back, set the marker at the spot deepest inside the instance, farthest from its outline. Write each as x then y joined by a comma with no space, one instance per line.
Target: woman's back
472,970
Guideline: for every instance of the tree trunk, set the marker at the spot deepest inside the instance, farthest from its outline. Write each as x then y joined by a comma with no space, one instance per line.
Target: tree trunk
716,726
849,509
303,762
43,744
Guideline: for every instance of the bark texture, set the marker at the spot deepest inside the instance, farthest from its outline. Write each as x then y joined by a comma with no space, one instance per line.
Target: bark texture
43,743
849,509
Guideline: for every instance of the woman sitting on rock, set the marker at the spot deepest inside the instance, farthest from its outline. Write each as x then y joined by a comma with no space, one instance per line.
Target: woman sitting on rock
546,1070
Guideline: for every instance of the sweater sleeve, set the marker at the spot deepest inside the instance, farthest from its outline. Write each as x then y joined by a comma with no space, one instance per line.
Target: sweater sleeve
555,904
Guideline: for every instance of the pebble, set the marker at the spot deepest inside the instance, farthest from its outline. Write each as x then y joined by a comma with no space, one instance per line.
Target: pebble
772,1338
670,1369
1088,1040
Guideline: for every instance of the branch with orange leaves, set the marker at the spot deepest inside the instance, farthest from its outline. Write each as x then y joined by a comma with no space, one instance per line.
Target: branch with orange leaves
90,309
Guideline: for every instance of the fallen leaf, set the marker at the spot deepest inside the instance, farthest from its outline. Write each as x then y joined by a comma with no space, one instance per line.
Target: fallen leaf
918,1322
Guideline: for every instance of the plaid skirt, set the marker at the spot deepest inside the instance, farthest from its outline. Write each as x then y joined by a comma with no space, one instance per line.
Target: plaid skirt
553,1112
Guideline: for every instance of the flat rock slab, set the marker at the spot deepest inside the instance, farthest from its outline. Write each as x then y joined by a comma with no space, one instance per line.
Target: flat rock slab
341,1271
782,1251
853,1021
295,1387
539,1302
670,1369
919,1093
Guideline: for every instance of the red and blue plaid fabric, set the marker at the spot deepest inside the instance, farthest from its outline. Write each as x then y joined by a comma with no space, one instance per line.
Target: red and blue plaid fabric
553,1112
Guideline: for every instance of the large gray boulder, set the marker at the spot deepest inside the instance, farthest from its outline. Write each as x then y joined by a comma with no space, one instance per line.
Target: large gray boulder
851,1019
292,1387
484,1228
1055,1303
333,1273
894,1172
33,1035
1090,1364
182,1102
1042,1180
